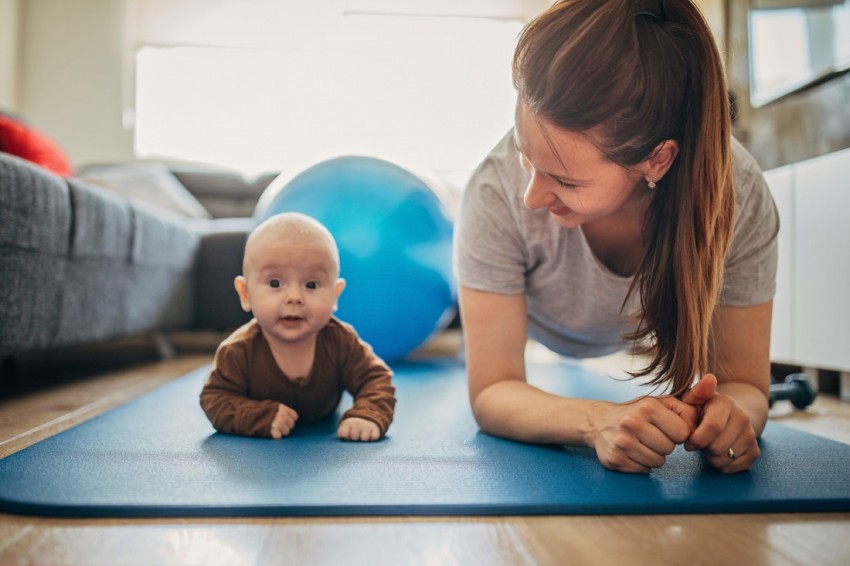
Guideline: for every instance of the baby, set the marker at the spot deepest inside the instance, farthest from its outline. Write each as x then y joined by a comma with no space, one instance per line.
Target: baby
293,360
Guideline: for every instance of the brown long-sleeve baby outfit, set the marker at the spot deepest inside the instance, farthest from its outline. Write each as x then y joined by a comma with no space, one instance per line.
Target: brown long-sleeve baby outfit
245,385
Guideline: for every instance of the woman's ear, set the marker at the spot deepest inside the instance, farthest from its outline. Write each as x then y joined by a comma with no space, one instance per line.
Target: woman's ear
241,285
661,159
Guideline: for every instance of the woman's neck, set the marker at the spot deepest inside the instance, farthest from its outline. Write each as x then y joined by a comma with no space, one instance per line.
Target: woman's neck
617,239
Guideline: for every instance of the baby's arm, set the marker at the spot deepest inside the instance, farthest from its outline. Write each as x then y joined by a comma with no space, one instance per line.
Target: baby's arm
237,414
225,401
371,386
369,381
355,428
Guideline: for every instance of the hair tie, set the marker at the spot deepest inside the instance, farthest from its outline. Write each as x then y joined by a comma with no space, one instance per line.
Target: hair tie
660,14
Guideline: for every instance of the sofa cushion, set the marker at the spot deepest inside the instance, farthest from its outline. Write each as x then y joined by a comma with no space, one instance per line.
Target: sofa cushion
219,261
117,227
35,220
224,192
145,181
35,214
130,268
104,223
79,265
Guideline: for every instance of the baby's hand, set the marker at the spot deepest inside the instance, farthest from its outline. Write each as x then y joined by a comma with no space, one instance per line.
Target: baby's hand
354,428
284,421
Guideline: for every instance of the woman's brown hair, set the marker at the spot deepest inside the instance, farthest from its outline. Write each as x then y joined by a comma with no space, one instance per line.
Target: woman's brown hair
637,73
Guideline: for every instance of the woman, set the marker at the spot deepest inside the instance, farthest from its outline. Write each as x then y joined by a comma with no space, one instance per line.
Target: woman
619,212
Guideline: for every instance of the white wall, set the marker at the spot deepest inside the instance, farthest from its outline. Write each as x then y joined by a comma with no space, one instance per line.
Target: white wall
71,78
8,53
64,65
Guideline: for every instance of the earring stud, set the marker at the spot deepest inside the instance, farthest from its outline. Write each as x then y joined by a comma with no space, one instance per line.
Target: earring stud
650,183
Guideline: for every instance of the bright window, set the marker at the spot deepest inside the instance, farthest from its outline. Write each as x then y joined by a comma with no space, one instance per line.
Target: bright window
795,47
780,48
430,93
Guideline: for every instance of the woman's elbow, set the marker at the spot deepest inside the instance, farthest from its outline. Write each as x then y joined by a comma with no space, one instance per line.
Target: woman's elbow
482,408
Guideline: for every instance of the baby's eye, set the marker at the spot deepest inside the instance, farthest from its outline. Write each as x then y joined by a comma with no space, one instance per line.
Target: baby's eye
312,285
274,283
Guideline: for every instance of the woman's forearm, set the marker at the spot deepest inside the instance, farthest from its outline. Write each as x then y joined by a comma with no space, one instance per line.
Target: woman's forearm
750,399
516,410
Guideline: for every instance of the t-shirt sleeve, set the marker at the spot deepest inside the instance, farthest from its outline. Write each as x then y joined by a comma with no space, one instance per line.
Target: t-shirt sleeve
489,252
750,275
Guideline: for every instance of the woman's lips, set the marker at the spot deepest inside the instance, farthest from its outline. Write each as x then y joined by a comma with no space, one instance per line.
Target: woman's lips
559,210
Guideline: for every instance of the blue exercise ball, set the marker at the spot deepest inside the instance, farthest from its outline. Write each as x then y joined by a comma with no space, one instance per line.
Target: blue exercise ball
395,246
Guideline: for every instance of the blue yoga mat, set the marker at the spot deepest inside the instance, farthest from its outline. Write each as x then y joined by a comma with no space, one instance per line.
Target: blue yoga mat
157,455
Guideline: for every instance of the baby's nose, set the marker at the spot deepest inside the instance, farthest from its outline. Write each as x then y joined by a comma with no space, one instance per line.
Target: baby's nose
293,296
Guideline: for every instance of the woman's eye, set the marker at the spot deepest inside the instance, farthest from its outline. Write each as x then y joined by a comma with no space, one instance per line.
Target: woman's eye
274,283
564,184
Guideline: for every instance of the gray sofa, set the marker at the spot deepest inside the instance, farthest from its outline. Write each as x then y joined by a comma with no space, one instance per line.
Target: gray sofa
79,264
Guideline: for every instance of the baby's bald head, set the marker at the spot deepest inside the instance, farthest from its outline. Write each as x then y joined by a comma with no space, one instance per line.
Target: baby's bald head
293,228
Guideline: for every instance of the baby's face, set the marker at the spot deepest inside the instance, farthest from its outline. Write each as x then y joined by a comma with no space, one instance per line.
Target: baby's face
292,287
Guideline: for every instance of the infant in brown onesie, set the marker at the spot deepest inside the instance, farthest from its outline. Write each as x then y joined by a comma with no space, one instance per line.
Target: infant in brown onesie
294,359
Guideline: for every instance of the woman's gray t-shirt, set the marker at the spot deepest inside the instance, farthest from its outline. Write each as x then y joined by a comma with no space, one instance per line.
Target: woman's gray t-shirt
575,303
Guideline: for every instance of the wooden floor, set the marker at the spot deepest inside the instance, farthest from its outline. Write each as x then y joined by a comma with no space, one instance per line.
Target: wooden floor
80,386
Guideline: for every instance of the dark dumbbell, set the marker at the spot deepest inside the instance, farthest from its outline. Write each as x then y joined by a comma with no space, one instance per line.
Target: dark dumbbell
797,389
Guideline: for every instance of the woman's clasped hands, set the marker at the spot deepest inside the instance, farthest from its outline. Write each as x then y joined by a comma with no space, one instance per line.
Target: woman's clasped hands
637,436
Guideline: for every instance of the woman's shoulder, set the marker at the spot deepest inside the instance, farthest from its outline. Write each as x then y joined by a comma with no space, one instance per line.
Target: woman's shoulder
753,201
505,148
501,168
750,276
746,172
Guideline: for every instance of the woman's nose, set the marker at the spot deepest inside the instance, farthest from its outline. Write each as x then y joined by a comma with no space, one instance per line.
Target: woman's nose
537,194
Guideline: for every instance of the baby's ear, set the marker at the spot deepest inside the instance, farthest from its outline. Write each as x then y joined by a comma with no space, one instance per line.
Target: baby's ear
340,285
242,289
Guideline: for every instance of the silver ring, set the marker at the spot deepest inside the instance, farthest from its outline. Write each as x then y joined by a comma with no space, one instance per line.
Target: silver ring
731,454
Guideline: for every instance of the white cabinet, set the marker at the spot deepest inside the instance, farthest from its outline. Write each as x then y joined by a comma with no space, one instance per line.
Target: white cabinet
781,183
811,324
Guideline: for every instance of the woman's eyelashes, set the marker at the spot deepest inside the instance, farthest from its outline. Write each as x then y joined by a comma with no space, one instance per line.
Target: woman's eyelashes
526,164
562,183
